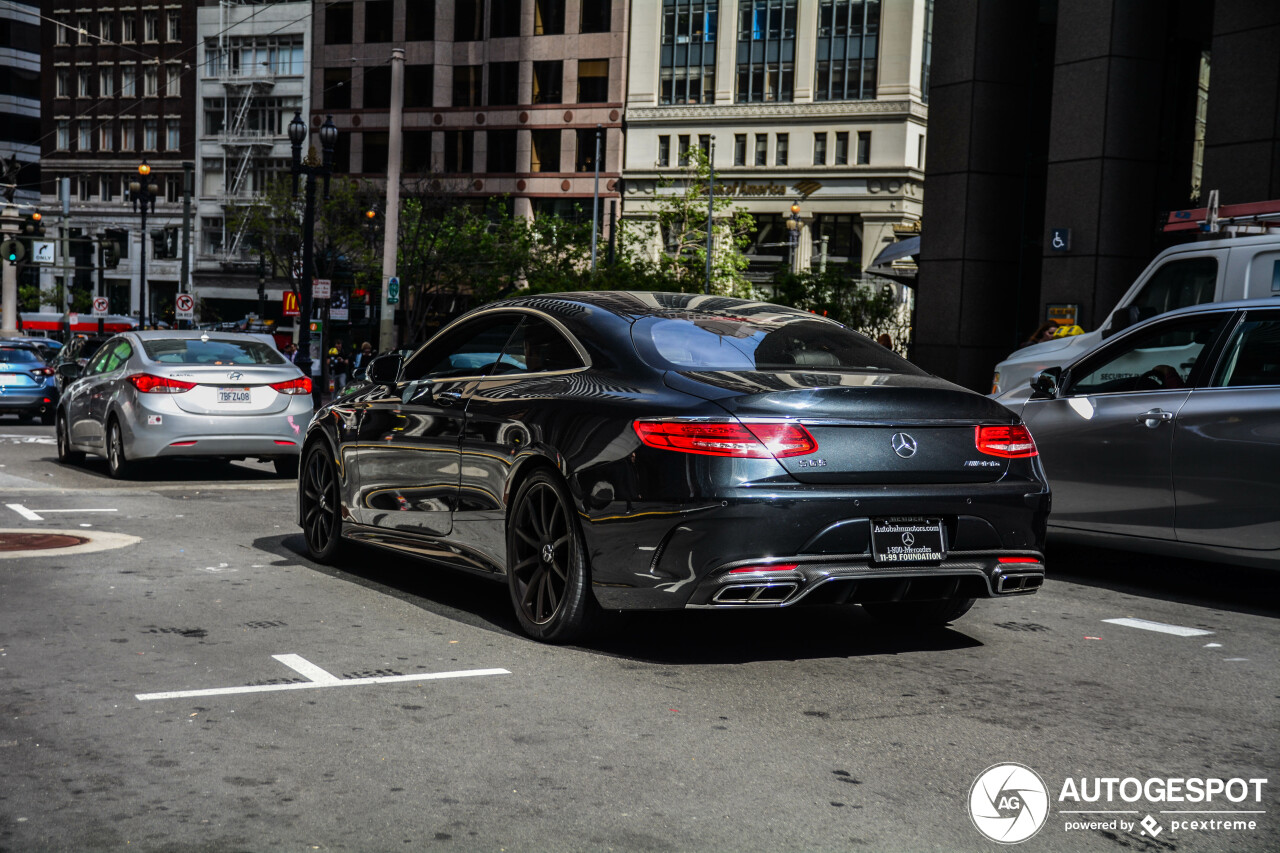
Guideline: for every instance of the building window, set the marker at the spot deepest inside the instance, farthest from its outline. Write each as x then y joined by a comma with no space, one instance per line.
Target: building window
593,81
504,19
106,83
466,85
82,35
420,20
173,135
337,89
468,20
844,237
150,81
106,136
151,26
85,143
174,21
104,28
377,21
501,151
377,146
595,17
150,134
545,151
62,30
548,17
548,79
739,149
128,135
664,151
848,44
339,21
766,50
62,84
173,81
687,61
682,142
64,135
83,86
459,151
762,149
820,149
920,151
128,29
926,61
128,81
416,152
377,87
587,150
504,83
864,147
173,190
419,85
84,188
842,148
106,187
781,143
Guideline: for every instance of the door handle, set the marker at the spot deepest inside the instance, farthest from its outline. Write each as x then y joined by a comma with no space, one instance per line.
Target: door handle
1154,418
448,398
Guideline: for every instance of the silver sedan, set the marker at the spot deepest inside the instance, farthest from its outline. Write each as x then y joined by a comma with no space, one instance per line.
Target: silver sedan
157,394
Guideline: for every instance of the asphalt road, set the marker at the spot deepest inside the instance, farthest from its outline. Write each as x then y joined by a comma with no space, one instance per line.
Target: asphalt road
788,730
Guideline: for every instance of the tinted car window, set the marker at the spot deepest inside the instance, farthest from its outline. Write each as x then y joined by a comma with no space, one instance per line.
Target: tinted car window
472,349
216,351
1162,357
785,343
19,355
1179,284
537,346
1252,356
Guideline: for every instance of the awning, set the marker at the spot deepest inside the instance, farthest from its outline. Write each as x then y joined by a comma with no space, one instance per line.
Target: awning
897,261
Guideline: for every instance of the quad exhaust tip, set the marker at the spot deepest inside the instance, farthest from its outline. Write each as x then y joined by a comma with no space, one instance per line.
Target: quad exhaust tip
1019,582
755,593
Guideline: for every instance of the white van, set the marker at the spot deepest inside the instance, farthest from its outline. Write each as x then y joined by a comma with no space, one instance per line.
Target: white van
1190,274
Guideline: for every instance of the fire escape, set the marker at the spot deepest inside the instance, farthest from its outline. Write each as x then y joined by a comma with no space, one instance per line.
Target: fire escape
246,140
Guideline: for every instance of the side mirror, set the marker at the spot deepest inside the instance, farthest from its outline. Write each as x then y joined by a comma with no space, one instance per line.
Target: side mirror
1045,384
69,370
385,369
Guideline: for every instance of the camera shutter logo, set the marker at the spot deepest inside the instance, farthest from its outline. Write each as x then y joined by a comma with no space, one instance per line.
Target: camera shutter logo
1008,803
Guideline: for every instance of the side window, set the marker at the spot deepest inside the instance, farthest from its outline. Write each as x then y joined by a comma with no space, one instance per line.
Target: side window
537,347
1160,358
118,355
1178,284
97,364
1252,356
470,350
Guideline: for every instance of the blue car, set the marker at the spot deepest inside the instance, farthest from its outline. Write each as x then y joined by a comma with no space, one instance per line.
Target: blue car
27,384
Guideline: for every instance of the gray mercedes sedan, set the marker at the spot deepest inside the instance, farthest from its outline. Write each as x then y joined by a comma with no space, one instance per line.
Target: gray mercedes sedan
157,394
1166,439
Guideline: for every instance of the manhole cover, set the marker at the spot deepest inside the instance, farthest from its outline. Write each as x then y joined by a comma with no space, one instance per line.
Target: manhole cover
10,541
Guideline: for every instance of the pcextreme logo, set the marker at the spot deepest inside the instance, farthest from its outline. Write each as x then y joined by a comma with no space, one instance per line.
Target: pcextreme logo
1009,803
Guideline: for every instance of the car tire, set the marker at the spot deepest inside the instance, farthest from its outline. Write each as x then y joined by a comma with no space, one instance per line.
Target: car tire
320,504
66,455
919,613
118,465
286,466
47,417
547,572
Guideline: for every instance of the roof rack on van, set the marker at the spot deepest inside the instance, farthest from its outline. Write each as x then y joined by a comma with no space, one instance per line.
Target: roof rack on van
1236,219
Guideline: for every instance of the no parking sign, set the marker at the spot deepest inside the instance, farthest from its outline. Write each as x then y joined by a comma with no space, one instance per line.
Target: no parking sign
184,307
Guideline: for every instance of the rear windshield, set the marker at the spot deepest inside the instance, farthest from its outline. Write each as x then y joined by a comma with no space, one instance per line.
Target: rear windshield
217,351
16,355
778,343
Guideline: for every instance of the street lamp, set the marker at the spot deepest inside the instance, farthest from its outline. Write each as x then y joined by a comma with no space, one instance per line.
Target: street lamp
328,138
793,227
143,197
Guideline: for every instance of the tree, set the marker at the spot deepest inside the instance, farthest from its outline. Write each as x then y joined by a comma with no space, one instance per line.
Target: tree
868,308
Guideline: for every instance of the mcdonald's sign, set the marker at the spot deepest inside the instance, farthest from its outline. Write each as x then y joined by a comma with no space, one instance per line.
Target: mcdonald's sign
292,308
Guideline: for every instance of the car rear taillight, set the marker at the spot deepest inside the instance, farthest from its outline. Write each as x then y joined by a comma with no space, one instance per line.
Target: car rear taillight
42,371
301,385
1011,442
149,384
749,439
776,567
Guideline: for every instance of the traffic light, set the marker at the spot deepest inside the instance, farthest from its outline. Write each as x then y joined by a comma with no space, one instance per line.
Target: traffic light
110,254
32,225
12,251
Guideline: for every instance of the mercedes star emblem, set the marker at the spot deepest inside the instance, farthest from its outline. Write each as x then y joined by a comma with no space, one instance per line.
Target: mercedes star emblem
908,539
903,445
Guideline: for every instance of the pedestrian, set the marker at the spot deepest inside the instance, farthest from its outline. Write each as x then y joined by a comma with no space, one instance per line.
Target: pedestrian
362,359
885,341
290,352
1041,334
339,366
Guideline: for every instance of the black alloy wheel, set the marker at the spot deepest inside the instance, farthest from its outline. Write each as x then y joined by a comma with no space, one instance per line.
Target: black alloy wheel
320,504
546,565
919,613
66,455
118,465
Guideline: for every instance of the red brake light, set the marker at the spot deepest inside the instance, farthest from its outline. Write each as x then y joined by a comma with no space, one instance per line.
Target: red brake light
752,440
1011,442
148,384
301,385
777,567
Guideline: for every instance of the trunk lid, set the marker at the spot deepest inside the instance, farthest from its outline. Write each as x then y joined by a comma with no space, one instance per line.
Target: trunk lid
231,391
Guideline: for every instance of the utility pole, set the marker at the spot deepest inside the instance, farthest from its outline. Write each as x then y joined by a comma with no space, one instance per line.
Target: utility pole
388,336
188,181
711,204
595,202
68,263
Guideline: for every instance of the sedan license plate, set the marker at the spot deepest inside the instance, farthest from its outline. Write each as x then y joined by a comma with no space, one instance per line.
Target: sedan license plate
907,540
234,395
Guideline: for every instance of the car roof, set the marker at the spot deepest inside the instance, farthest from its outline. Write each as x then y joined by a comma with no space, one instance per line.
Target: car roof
1204,307
632,305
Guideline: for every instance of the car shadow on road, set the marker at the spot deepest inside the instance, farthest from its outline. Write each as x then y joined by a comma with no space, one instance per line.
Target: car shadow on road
179,470
667,637
1239,589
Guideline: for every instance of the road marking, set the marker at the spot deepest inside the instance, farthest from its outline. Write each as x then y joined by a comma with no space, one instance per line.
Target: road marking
318,678
1146,625
34,514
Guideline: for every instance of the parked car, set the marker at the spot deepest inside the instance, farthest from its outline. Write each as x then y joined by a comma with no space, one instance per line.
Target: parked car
1178,277
613,451
1165,438
77,350
157,394
48,347
27,386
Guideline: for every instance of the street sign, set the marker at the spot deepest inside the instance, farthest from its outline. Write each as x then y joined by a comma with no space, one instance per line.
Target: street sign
338,306
316,326
42,252
99,306
1060,241
393,290
320,288
292,305
184,306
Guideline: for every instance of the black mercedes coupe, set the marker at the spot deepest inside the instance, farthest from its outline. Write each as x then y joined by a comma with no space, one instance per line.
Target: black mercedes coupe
644,451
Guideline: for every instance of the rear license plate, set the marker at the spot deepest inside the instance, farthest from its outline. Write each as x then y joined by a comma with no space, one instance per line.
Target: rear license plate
907,540
234,395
